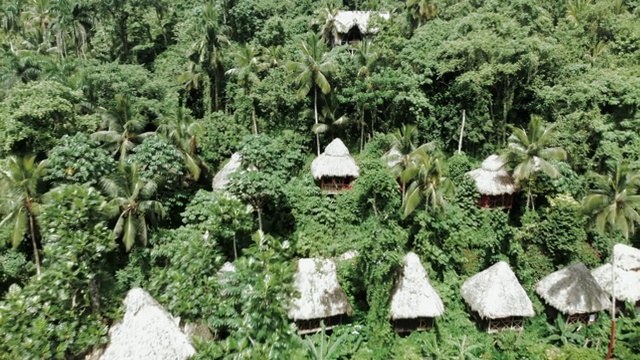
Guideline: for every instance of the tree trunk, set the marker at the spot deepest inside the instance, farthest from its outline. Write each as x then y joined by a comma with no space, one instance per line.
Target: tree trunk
235,249
315,112
253,117
259,219
362,130
32,229
612,339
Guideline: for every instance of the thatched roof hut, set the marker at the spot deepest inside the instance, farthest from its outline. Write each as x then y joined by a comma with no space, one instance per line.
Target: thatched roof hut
147,332
335,162
496,293
346,20
492,178
627,283
321,296
573,290
414,297
627,257
221,180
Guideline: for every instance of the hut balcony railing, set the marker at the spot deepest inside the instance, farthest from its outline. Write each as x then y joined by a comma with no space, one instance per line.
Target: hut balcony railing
508,323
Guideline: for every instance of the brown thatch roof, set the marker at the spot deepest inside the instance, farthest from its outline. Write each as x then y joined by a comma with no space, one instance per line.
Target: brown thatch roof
334,162
221,180
492,178
496,293
573,290
345,20
627,257
147,332
320,293
627,283
414,297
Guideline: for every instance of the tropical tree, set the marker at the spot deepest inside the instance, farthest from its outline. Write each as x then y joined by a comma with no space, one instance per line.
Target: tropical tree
529,152
125,125
312,72
326,18
331,116
366,59
428,183
247,66
421,10
613,204
403,149
206,51
20,180
183,132
132,196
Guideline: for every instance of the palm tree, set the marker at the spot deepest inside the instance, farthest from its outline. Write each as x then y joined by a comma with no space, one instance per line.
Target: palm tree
207,51
311,72
272,56
182,131
132,196
247,66
421,10
367,59
403,149
125,125
528,150
427,182
330,116
326,18
613,205
21,177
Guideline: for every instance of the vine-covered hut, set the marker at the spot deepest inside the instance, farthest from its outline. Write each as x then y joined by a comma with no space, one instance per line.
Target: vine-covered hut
495,185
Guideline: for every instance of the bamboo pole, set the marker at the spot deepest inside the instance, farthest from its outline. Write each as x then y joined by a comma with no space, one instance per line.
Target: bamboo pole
464,118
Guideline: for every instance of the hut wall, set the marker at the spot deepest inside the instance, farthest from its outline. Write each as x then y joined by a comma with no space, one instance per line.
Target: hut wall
508,323
586,319
409,325
333,185
314,326
495,201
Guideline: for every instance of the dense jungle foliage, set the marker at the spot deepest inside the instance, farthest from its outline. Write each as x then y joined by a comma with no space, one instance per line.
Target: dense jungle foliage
116,114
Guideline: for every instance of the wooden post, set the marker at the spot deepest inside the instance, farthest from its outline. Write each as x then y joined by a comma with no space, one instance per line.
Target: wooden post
461,132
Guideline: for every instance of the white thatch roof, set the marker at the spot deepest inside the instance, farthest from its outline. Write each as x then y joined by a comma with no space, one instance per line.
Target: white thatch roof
496,293
627,283
414,297
627,257
573,290
147,332
334,162
492,178
221,180
320,293
345,20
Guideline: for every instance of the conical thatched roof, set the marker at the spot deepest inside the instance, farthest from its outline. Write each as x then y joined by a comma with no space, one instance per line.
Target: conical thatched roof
414,296
345,20
496,293
627,283
627,257
334,162
147,332
573,290
221,180
492,178
320,293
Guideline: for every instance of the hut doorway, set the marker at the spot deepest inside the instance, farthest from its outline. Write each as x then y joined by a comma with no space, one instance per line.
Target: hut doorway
353,36
333,185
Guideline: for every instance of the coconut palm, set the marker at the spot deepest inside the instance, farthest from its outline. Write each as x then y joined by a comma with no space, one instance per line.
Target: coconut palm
183,131
132,196
367,59
247,66
613,204
427,182
312,72
421,10
403,149
331,118
206,51
20,179
125,125
326,18
529,152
